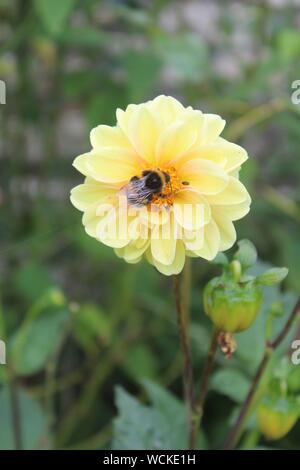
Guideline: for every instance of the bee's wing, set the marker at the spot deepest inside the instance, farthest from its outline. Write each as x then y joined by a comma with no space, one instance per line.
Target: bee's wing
137,193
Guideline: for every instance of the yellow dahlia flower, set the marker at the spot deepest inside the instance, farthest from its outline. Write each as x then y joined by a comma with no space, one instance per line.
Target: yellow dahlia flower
162,184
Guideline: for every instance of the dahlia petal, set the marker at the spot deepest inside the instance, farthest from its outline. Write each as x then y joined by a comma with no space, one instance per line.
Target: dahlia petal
163,251
112,228
111,165
163,242
191,254
226,229
204,176
167,108
123,117
235,154
90,220
80,163
234,211
83,195
177,139
143,133
128,260
191,209
133,252
235,173
226,154
211,244
234,193
177,264
209,152
214,125
108,136
154,216
193,239
138,230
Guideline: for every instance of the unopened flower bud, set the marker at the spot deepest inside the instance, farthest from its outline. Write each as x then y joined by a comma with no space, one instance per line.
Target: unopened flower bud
232,306
276,417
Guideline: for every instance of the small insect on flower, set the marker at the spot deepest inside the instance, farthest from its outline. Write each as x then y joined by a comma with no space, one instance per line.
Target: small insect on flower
140,190
179,179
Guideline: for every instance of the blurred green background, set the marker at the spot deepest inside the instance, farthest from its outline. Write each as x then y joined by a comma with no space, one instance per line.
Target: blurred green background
77,320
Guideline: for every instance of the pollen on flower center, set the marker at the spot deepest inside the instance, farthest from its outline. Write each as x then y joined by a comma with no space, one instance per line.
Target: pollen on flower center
166,197
171,186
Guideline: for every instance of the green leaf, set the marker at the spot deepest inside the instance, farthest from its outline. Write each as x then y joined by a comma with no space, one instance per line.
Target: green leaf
32,281
137,426
220,259
246,278
36,340
271,277
161,426
231,383
164,402
54,13
246,254
33,422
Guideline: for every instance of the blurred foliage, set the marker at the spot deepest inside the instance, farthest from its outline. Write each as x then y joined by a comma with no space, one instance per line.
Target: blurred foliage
76,319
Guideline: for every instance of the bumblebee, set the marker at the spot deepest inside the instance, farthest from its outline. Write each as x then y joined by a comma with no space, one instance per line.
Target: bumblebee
140,190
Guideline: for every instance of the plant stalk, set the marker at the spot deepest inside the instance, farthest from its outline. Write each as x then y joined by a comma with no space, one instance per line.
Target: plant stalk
183,331
199,402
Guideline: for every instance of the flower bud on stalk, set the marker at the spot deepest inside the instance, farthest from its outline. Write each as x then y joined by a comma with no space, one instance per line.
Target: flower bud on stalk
233,300
232,306
276,417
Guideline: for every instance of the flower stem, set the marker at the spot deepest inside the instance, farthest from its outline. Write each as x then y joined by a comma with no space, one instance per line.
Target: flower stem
199,403
183,330
270,347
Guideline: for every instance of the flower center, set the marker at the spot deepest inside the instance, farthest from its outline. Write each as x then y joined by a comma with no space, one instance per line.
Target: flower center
172,184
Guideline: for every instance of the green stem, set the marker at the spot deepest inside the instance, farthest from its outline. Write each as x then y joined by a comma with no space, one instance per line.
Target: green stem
183,330
199,403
